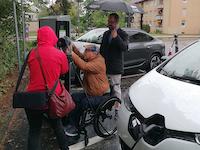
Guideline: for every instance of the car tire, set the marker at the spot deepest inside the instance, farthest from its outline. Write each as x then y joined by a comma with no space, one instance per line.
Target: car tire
123,145
154,61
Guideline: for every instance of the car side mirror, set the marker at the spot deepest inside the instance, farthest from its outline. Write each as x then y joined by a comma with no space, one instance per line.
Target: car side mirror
164,58
99,39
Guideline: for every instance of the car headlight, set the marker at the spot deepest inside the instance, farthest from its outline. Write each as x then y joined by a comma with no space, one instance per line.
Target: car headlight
127,101
197,138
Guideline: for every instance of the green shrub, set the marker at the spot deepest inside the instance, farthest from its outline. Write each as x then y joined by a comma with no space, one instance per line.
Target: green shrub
146,28
8,57
8,52
158,31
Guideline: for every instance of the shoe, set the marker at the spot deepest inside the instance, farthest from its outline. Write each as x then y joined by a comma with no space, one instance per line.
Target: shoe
72,140
71,130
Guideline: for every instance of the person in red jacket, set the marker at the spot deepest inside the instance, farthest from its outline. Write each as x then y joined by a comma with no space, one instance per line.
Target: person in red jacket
55,64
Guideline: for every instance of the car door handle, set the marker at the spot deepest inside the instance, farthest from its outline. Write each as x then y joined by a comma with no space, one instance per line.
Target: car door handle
131,49
149,46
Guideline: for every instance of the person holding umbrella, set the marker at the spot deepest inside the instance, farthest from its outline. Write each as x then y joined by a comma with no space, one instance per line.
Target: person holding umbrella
114,43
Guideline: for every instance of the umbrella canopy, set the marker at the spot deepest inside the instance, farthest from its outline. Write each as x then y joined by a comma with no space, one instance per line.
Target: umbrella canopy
115,5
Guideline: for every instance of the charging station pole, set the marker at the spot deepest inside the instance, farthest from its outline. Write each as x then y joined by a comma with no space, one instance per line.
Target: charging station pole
23,27
176,43
17,34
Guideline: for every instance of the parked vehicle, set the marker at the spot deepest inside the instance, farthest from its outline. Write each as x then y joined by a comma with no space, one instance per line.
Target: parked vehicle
161,110
144,51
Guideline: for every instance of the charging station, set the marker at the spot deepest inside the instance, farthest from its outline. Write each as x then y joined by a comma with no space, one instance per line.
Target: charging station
62,27
60,24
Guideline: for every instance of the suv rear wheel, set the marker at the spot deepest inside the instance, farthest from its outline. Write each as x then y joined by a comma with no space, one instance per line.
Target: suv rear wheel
154,61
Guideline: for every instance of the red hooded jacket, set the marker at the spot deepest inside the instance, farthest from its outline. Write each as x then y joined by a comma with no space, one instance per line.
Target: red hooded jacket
54,62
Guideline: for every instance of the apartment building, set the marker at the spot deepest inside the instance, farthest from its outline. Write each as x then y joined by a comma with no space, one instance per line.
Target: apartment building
171,16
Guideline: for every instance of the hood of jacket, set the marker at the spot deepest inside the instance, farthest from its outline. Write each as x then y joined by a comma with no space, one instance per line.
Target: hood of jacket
46,36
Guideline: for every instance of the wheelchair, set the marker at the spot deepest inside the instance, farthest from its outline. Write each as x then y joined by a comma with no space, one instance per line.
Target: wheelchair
103,119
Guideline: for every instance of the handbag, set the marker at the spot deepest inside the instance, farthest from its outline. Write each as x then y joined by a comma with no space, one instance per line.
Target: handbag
28,99
58,105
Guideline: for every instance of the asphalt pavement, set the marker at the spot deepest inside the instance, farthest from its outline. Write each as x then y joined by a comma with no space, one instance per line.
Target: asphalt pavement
16,137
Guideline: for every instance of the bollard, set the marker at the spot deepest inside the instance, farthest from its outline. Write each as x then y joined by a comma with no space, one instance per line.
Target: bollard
176,43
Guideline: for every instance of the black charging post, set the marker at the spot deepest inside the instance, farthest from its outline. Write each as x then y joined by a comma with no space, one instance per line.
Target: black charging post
62,27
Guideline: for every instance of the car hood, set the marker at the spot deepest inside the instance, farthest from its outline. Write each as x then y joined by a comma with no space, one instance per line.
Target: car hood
80,45
177,101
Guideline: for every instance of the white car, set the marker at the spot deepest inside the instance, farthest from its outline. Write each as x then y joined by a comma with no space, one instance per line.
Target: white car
161,111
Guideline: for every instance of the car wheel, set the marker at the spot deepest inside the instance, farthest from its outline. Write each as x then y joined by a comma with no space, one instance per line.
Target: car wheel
123,145
154,61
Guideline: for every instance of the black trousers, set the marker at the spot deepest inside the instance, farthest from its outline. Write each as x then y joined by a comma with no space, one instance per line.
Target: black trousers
35,118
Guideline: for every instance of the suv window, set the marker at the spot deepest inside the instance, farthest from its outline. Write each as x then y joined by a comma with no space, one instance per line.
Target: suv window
93,36
139,37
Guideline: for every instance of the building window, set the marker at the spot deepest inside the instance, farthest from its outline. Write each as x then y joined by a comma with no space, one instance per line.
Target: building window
139,37
183,23
184,11
160,2
184,1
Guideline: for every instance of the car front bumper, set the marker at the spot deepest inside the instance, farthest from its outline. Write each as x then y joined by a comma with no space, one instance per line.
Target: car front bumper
167,144
122,126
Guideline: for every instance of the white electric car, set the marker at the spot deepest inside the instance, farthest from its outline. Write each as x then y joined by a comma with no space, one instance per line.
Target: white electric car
161,111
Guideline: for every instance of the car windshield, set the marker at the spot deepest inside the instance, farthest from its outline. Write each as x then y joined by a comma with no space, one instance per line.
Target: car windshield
93,36
185,66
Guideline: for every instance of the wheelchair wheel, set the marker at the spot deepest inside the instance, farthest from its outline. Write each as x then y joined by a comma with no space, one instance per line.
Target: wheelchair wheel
105,120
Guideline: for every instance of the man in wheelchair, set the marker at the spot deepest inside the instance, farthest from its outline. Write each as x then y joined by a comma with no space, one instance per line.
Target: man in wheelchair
95,84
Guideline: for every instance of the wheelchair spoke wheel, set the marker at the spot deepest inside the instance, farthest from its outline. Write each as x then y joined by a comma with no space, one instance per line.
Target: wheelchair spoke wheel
105,120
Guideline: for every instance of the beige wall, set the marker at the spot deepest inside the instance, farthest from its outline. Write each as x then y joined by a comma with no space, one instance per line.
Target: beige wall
176,11
151,8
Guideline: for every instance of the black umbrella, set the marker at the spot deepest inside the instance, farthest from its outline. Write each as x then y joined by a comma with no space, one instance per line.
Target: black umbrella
115,5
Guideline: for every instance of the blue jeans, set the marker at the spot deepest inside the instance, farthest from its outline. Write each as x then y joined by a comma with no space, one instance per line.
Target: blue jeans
82,103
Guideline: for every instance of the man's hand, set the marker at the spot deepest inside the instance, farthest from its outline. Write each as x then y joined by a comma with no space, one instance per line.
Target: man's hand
72,53
114,33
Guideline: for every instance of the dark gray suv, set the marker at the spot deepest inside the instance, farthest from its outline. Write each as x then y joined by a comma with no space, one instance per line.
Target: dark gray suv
144,51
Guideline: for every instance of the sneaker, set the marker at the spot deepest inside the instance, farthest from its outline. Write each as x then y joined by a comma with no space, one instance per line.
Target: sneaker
71,130
72,139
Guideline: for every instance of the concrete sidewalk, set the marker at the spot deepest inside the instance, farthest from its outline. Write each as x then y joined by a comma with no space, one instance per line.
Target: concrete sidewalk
171,36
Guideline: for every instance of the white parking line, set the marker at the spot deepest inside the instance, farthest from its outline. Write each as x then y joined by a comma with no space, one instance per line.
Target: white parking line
81,145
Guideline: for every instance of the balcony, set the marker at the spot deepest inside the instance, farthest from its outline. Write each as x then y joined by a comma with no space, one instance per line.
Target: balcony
160,6
159,17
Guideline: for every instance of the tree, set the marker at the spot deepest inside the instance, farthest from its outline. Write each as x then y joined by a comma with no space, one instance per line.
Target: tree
39,3
6,17
61,7
8,55
64,6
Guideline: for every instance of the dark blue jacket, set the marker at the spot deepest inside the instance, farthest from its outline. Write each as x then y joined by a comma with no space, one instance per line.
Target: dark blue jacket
113,51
